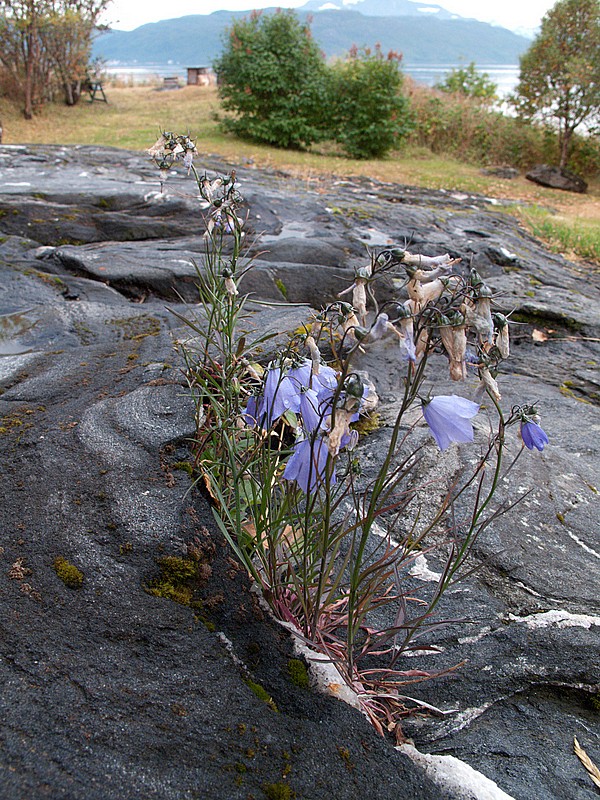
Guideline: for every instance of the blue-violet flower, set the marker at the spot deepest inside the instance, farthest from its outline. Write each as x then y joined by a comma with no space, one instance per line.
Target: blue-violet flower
533,435
279,395
307,464
448,417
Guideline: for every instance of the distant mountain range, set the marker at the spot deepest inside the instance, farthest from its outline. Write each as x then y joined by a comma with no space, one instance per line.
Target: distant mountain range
424,33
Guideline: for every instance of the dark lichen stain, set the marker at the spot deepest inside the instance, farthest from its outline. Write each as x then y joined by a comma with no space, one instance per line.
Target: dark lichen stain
66,240
546,318
84,333
136,328
68,573
298,673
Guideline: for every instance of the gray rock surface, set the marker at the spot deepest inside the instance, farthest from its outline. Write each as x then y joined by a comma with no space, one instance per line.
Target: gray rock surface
111,692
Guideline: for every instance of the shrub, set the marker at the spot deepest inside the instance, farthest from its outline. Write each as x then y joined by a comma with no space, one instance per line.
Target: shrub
369,113
272,75
469,82
458,126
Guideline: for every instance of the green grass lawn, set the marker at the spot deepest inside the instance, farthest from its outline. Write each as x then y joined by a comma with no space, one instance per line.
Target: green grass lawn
134,117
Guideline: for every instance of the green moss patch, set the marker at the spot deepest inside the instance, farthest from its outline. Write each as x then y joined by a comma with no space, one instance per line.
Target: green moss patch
18,422
278,791
68,573
367,424
298,673
282,287
184,466
261,693
177,580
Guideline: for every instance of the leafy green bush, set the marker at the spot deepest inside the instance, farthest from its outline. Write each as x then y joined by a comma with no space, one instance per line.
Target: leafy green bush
369,115
273,78
272,75
469,82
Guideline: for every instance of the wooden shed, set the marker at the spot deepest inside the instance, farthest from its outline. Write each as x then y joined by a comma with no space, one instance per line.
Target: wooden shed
200,76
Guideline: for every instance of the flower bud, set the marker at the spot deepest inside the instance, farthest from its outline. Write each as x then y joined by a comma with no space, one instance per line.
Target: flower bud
354,386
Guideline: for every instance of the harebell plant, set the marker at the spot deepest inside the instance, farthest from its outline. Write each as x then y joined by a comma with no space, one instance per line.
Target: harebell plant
278,432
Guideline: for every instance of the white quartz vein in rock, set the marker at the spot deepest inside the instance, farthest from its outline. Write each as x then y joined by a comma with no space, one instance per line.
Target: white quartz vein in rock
455,775
583,545
421,571
558,617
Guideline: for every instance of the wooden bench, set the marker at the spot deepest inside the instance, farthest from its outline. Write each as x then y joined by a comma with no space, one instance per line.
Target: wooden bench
171,82
95,87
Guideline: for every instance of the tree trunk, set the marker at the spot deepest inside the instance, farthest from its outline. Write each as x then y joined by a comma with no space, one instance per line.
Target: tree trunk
28,109
564,147
72,92
69,93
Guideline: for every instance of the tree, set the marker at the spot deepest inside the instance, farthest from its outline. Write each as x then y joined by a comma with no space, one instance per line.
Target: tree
68,41
21,54
272,76
369,115
559,81
46,45
470,83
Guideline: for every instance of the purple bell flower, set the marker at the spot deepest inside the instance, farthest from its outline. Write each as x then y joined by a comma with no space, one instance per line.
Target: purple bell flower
326,382
253,411
300,376
448,417
309,409
307,464
280,395
533,435
407,349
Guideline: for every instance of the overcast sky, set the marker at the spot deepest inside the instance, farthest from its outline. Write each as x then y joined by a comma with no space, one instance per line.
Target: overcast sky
129,14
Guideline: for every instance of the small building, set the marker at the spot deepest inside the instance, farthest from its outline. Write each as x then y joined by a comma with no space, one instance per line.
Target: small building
200,76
